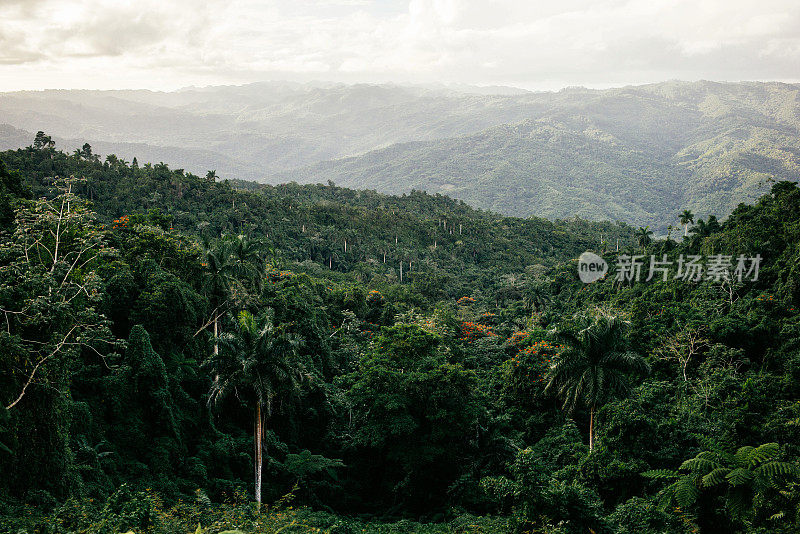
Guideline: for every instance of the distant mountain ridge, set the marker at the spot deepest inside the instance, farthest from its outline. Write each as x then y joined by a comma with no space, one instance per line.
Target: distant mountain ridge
638,154
265,128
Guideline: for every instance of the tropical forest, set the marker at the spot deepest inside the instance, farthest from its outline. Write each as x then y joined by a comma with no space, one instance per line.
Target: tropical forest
184,353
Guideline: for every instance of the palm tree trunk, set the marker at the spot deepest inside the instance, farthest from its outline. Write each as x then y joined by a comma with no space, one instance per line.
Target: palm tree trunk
259,433
685,230
591,428
216,333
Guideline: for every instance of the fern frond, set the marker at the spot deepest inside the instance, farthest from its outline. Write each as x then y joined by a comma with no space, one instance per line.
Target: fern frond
686,491
771,470
715,477
762,453
666,496
739,476
742,456
738,504
699,465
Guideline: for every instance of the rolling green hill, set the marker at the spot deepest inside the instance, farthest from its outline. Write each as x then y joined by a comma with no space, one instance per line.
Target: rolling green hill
637,154
324,229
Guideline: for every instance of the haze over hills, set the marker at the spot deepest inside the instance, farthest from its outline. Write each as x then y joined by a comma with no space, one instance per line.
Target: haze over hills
258,129
638,154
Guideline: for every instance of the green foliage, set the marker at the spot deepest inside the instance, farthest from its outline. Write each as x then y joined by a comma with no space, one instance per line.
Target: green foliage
11,188
416,408
177,308
753,480
544,491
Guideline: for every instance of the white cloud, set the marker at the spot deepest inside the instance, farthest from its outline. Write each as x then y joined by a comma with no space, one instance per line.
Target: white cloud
157,44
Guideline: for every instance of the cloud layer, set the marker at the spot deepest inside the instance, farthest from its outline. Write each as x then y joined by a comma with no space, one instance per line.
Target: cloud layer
539,44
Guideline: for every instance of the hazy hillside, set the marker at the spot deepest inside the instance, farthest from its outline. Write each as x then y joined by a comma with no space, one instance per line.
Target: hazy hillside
252,131
638,154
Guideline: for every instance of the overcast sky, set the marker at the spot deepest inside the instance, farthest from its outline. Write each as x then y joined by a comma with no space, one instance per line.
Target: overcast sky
547,44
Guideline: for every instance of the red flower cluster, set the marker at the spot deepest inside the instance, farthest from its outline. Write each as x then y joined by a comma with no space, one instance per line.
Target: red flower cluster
464,301
272,276
122,222
471,331
374,298
517,337
532,362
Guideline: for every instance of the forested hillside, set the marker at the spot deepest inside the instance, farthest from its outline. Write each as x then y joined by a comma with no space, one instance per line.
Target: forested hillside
637,154
185,354
323,226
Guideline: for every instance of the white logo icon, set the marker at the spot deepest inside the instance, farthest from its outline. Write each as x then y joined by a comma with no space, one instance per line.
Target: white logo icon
591,267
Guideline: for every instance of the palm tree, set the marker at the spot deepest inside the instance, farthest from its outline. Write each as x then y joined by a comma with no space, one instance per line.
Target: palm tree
594,364
258,362
248,263
217,277
536,295
704,229
644,235
686,218
232,266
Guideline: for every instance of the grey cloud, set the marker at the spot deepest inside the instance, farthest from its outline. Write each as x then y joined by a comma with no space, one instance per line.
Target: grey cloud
591,42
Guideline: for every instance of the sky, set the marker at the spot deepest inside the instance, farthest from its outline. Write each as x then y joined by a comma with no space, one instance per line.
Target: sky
534,44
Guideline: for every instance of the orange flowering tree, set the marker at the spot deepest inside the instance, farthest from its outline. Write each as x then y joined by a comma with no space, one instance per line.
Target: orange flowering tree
471,331
524,374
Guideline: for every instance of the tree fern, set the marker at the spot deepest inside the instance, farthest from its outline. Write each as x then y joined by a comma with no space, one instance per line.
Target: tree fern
775,469
739,477
761,454
686,491
715,477
699,464
752,478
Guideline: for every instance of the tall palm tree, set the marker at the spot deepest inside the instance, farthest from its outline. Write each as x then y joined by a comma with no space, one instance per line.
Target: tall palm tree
644,235
686,218
247,259
233,268
594,364
217,277
536,295
258,361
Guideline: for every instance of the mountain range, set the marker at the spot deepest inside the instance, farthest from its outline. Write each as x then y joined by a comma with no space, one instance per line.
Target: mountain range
638,154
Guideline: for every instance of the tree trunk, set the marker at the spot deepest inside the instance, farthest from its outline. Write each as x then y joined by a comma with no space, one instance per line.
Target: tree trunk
591,428
259,433
216,333
685,230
